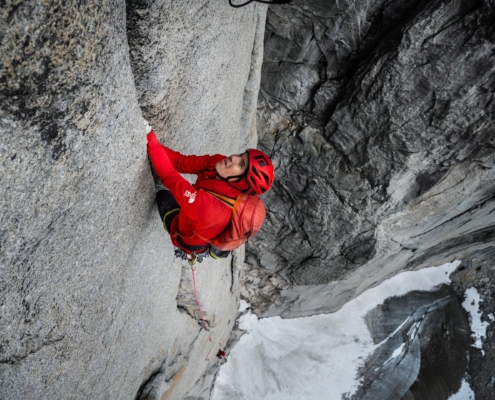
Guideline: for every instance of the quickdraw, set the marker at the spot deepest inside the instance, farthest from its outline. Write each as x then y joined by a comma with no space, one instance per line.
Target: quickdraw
191,258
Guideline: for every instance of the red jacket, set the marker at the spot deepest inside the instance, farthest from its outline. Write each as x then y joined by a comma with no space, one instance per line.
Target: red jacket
201,214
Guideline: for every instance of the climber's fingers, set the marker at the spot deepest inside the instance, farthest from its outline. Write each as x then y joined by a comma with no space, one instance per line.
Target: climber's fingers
147,126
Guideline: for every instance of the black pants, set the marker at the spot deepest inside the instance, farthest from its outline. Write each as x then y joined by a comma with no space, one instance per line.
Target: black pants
167,207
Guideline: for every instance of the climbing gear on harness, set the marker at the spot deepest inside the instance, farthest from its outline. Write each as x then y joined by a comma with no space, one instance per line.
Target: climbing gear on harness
179,253
191,259
259,1
248,214
191,249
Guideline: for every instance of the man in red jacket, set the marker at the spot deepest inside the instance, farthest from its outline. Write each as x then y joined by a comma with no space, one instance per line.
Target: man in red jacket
190,214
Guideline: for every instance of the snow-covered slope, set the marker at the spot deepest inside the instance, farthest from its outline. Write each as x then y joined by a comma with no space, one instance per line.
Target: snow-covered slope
372,348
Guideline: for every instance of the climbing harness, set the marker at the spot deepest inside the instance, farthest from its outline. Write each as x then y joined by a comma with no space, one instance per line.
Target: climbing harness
259,1
198,258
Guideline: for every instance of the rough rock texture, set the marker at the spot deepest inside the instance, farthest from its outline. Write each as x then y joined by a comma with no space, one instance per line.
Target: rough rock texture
425,327
440,226
196,100
88,281
381,122
365,107
479,272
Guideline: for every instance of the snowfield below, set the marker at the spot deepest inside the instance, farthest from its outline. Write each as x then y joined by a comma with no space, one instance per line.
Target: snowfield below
315,357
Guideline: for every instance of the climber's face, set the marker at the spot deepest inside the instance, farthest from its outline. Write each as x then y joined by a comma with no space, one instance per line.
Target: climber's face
234,165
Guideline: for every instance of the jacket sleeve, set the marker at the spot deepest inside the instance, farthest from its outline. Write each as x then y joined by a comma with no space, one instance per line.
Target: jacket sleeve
190,200
191,164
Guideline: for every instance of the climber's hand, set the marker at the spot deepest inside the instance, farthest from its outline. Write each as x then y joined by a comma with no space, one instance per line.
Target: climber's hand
147,126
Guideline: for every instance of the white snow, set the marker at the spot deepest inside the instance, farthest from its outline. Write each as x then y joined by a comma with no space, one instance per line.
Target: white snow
313,357
464,393
398,351
243,306
471,304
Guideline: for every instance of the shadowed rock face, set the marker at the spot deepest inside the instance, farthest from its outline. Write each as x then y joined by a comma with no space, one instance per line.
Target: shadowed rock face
365,106
381,122
432,331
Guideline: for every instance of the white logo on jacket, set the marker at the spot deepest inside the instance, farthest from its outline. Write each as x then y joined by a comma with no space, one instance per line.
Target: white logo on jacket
192,196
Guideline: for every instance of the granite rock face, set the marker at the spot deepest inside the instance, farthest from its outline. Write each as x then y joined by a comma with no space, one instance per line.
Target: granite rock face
215,76
88,281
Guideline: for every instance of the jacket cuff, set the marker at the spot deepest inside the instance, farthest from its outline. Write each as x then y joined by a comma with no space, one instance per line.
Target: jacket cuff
152,140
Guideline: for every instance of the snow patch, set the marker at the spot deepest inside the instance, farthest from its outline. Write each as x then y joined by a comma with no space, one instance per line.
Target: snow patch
398,351
243,306
471,305
313,357
464,393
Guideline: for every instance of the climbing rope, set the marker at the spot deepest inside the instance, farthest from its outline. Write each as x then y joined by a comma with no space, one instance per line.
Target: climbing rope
259,1
205,325
192,260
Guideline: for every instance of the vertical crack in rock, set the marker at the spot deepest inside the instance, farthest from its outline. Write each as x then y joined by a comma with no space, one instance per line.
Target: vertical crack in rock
159,382
249,103
186,301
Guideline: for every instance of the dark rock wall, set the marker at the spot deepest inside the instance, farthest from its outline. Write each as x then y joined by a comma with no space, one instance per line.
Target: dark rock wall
365,106
425,327
380,119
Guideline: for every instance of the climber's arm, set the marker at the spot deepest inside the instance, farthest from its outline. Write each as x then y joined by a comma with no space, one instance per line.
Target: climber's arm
192,164
186,164
191,201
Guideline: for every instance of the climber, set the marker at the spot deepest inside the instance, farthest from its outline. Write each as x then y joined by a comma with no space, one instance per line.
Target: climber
190,214
221,354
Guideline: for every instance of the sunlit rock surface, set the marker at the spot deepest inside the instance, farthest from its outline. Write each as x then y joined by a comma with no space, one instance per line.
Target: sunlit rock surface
88,281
